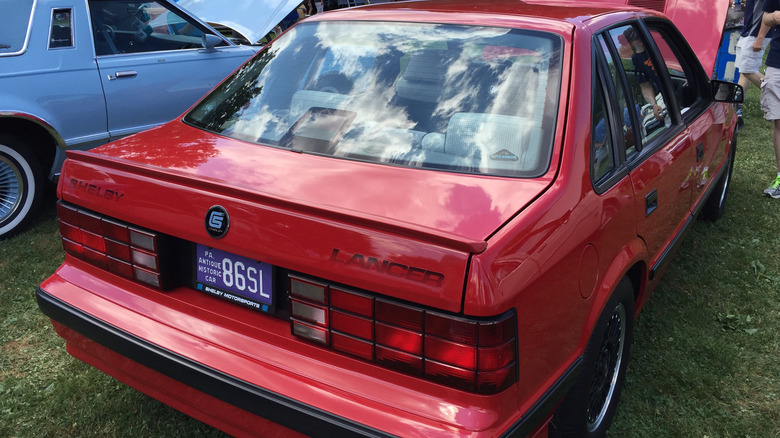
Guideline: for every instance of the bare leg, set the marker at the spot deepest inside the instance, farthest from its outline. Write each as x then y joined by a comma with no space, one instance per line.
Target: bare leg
745,79
776,142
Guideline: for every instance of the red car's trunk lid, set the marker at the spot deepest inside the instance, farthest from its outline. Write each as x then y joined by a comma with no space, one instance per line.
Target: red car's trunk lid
402,232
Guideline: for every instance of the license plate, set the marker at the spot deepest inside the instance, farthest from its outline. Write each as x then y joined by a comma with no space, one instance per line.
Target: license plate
234,278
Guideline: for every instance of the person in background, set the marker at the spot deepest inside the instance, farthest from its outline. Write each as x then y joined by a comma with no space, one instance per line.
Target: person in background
311,7
770,89
753,39
290,19
649,82
329,5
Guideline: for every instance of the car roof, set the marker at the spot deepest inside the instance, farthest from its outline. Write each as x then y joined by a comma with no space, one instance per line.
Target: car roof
700,21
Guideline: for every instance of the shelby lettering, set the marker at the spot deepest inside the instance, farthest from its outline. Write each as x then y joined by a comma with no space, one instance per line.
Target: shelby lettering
96,190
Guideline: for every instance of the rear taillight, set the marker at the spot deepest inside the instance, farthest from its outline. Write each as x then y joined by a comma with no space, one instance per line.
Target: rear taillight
118,247
476,355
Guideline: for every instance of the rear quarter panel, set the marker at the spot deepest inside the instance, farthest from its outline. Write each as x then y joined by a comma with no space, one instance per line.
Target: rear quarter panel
559,260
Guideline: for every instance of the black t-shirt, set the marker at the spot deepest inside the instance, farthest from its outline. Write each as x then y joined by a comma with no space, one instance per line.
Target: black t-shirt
773,58
753,16
645,69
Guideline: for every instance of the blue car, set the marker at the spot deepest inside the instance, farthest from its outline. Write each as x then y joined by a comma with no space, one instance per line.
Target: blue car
75,74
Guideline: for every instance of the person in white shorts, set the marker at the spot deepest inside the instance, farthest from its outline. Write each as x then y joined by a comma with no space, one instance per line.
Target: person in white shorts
770,89
752,42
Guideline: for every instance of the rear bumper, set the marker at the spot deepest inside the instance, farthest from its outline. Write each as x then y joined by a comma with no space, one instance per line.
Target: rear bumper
104,346
245,373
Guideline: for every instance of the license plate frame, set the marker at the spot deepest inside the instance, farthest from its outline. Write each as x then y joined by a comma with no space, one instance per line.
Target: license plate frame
238,279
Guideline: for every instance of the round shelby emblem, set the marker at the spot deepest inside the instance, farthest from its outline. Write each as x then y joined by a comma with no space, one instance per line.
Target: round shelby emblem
217,222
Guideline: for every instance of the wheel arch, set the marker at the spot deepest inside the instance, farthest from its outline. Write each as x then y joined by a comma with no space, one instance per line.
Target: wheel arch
630,262
41,138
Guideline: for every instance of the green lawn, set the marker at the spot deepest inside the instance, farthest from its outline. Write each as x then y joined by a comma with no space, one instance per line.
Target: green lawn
705,360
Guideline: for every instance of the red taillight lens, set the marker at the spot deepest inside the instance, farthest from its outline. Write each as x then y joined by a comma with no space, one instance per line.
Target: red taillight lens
398,338
354,346
477,355
110,244
449,375
399,361
447,327
442,350
353,324
401,315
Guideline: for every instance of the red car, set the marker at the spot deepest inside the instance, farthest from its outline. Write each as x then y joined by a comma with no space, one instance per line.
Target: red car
412,219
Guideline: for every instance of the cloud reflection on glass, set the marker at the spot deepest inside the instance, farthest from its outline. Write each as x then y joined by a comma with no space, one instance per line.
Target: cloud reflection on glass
478,100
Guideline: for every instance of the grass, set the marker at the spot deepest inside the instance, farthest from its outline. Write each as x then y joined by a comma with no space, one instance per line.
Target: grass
705,359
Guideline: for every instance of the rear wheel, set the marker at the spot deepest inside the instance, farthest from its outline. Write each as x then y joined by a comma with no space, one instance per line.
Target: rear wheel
589,406
21,185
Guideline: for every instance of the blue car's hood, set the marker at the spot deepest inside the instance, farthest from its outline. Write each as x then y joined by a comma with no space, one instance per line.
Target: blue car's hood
252,18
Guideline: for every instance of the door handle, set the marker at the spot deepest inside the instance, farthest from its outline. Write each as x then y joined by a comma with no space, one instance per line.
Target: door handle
122,74
126,73
651,202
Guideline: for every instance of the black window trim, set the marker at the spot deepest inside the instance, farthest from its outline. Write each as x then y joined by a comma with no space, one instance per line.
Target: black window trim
684,53
670,99
601,84
643,151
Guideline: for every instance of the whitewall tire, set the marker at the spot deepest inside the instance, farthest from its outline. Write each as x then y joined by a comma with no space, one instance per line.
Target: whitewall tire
21,185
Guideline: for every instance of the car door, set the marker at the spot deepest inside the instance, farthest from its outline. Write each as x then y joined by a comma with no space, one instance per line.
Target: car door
152,63
707,123
657,147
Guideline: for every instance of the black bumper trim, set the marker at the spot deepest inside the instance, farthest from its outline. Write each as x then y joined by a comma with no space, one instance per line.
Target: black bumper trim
542,408
290,413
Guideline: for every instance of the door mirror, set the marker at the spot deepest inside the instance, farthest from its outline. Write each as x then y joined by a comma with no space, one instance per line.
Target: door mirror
210,41
727,92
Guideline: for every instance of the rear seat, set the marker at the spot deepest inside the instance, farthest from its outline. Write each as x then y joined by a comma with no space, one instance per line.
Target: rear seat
471,140
481,141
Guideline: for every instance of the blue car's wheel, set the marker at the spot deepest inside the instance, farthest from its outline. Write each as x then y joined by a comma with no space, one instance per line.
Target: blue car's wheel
21,185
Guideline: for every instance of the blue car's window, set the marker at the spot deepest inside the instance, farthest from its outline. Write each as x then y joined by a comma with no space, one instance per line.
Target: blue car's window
460,98
15,26
122,26
61,32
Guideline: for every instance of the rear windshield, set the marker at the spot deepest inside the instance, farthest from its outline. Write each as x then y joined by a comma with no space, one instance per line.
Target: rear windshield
14,23
457,98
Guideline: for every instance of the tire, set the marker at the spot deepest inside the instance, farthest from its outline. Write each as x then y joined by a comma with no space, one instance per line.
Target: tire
21,185
588,408
715,205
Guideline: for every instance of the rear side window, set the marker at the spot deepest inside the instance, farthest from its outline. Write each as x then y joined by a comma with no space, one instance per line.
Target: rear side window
646,91
624,107
61,34
602,162
15,26
686,89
